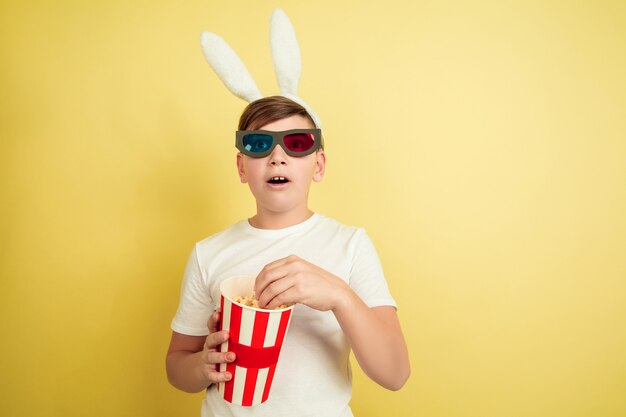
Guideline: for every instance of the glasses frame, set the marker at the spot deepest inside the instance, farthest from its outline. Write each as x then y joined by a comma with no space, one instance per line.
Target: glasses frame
278,138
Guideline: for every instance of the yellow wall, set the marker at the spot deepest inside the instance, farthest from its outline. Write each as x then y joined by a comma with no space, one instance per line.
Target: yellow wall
482,144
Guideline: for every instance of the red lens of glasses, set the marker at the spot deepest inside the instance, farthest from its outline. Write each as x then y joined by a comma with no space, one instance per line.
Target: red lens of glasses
299,142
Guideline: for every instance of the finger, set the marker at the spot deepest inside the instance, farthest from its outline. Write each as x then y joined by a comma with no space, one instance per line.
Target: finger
287,297
217,377
213,322
281,261
216,358
276,270
274,289
272,277
269,275
213,340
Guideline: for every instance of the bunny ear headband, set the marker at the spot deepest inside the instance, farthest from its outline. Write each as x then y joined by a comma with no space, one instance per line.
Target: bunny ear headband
285,56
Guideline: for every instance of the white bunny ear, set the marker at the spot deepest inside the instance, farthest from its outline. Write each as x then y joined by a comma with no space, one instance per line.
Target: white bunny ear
285,52
316,120
229,67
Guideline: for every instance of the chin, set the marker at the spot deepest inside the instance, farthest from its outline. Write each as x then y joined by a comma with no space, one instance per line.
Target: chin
279,205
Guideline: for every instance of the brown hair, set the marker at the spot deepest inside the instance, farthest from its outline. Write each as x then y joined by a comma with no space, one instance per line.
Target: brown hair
270,109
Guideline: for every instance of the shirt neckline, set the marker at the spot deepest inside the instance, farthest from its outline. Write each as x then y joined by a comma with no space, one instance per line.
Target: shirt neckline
245,224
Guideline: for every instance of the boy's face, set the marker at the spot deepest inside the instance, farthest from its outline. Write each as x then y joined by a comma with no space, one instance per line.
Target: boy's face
291,194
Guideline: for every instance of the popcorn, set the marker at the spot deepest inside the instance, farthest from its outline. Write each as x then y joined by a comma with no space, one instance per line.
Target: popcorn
252,301
248,300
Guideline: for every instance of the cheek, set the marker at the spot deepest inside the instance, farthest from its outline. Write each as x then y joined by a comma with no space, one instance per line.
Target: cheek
254,169
306,171
310,163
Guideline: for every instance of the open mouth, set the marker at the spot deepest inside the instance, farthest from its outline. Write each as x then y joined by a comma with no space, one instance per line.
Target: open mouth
278,180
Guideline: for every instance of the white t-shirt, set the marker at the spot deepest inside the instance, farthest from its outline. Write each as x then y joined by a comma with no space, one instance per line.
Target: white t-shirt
313,376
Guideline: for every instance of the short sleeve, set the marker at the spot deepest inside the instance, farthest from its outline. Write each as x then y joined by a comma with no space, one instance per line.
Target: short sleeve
367,279
195,304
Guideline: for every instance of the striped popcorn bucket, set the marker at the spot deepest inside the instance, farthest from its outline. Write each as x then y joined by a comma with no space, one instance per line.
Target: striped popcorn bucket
256,337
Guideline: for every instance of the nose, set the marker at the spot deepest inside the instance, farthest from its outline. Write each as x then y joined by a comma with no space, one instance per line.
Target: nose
278,156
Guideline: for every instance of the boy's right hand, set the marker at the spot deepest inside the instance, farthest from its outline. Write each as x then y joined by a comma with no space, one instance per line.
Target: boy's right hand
211,358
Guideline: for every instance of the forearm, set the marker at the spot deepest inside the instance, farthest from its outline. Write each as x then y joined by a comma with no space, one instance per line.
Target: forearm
378,346
184,371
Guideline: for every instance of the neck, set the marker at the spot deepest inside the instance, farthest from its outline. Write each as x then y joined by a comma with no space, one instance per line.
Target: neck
265,219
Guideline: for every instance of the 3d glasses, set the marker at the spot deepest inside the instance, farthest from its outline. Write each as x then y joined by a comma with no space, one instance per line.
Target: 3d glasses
295,142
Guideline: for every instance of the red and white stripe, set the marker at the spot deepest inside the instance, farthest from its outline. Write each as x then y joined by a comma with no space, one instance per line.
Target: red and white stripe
256,337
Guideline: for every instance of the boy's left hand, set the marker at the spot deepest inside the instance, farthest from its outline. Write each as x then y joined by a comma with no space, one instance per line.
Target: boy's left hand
293,280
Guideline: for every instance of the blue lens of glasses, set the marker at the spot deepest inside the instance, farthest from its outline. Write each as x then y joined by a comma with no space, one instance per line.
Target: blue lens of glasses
257,142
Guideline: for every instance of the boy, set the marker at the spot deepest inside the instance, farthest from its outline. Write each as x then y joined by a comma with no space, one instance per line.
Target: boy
330,271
